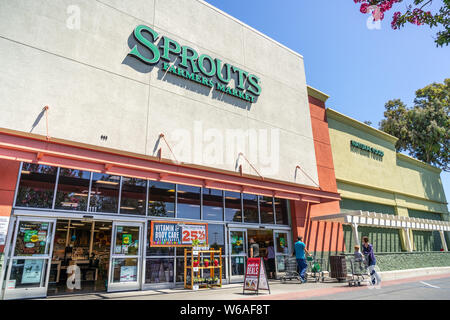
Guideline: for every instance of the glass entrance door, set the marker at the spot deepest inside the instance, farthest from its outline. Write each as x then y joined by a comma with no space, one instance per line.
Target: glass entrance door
281,243
126,249
238,254
29,264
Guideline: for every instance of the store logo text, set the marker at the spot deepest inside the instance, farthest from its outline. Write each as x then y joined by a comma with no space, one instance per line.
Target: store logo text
202,67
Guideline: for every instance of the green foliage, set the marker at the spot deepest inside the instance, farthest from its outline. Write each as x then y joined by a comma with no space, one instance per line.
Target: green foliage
414,12
423,130
415,15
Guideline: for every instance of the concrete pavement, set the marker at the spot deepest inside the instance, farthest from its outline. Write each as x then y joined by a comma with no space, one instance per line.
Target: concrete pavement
330,289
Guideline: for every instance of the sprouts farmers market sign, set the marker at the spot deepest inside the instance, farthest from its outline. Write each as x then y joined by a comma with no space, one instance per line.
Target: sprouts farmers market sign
202,67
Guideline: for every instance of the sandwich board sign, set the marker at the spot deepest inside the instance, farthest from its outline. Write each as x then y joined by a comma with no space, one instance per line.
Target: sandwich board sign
255,276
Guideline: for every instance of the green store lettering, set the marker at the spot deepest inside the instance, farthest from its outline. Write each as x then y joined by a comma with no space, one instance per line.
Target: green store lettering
361,146
202,67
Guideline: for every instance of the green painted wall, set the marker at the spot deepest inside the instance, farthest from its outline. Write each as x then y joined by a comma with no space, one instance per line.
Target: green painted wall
382,239
350,204
426,240
411,260
394,180
390,261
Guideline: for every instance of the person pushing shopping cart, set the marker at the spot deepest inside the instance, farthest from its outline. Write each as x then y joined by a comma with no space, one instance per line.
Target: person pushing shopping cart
299,252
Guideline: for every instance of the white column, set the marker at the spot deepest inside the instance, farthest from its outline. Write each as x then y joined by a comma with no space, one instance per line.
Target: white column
355,234
408,240
444,244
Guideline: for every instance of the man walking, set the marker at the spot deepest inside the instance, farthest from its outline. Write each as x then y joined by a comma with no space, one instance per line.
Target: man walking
300,250
254,249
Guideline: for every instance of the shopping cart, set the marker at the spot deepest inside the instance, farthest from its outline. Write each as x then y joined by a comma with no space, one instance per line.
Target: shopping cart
359,272
315,269
291,268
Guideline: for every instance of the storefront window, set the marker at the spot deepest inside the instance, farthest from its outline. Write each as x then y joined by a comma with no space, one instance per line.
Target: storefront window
237,242
216,237
266,210
212,204
161,199
134,193
32,238
157,251
250,208
73,189
180,270
281,210
159,270
36,186
281,263
28,273
104,193
281,245
188,202
125,270
233,206
127,240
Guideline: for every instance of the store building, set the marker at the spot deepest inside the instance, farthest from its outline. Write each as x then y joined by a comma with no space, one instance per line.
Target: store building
395,200
121,120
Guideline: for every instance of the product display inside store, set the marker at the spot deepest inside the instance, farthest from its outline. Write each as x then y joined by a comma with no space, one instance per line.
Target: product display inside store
85,245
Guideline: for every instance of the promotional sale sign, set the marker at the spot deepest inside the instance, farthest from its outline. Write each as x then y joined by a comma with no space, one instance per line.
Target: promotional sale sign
255,276
173,234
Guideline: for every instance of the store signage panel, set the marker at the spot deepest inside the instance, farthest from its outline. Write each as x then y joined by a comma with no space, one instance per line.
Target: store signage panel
32,271
200,68
177,234
255,276
128,274
4,222
364,147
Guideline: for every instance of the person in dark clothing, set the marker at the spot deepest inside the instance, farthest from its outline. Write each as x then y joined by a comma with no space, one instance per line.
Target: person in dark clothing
254,249
270,260
371,260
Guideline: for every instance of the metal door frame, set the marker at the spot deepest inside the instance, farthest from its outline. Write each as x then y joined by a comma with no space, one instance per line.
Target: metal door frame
288,244
41,291
234,279
127,286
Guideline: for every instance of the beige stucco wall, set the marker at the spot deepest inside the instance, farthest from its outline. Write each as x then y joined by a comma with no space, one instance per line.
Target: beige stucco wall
93,89
396,180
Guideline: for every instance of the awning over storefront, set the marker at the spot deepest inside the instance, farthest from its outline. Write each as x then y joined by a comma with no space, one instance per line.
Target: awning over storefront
380,220
32,148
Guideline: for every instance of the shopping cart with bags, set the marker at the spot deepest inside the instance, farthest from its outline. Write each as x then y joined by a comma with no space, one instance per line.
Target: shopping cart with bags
291,268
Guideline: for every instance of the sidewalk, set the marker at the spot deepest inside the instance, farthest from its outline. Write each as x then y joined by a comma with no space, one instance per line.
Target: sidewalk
279,291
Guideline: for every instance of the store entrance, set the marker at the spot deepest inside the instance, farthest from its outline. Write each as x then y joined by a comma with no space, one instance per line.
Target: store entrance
263,237
80,260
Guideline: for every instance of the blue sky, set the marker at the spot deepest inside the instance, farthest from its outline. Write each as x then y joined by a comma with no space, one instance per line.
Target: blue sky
360,69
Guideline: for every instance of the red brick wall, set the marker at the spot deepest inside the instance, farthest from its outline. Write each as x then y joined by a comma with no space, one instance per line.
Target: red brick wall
319,235
8,179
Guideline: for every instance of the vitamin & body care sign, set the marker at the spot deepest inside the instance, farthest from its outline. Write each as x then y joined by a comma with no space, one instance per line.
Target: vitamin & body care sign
181,234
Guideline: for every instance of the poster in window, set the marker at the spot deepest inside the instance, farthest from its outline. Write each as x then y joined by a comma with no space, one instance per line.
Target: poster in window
128,273
4,221
32,271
